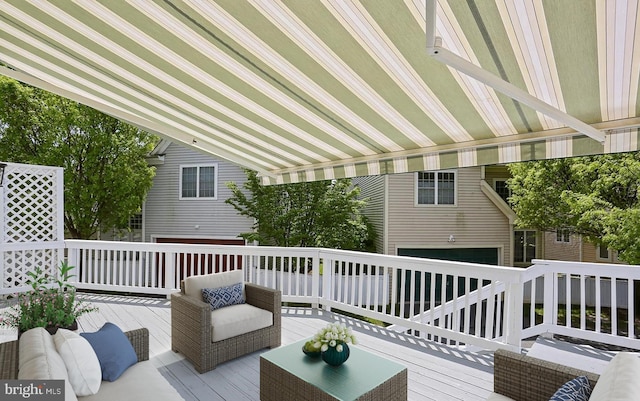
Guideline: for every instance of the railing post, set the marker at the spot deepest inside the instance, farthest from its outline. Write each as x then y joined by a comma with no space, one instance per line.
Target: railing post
513,313
72,260
170,272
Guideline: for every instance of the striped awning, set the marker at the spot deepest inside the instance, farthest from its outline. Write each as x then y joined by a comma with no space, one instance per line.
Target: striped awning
304,90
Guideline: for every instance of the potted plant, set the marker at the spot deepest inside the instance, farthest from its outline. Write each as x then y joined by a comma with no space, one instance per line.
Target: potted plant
51,303
331,342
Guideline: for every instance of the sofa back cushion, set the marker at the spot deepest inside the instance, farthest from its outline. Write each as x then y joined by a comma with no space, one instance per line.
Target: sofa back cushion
39,360
619,381
81,361
194,285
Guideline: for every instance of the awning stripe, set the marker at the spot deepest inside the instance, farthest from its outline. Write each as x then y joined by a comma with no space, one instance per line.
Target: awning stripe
326,89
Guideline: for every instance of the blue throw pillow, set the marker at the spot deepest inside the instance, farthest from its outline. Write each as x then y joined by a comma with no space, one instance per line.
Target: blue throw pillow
577,389
223,296
114,350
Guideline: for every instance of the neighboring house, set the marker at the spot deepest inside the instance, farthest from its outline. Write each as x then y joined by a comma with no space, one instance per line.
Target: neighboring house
187,201
448,214
462,215
562,245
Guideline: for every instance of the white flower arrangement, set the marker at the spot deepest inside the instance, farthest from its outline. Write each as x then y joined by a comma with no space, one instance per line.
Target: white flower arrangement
334,335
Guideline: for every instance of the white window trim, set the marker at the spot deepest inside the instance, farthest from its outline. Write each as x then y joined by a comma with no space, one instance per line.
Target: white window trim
562,241
197,197
455,188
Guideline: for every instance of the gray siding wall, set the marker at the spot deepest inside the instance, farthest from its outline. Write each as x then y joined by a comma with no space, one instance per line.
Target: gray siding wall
372,187
474,220
166,215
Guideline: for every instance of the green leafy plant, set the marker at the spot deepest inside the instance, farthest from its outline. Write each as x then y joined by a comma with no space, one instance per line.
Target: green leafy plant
50,303
334,335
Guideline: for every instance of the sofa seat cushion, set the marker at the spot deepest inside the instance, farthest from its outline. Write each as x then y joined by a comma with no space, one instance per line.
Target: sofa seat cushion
234,320
40,360
141,381
619,381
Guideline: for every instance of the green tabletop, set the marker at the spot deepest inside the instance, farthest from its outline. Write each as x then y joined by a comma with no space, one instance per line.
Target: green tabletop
361,373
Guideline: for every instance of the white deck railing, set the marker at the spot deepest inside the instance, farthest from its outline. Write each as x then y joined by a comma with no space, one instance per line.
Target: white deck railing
450,302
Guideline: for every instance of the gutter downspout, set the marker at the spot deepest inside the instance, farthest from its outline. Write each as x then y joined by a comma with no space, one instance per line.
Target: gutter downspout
436,51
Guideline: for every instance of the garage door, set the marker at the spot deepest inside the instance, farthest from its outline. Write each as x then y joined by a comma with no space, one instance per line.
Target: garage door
469,255
488,256
188,264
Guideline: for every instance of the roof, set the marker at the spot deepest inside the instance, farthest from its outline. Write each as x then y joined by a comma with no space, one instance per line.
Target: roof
307,90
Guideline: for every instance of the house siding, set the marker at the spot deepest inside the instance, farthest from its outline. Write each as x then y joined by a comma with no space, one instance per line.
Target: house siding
166,215
570,251
373,188
474,221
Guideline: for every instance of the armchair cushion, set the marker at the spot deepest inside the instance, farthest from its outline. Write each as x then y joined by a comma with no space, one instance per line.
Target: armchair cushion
223,296
235,320
194,285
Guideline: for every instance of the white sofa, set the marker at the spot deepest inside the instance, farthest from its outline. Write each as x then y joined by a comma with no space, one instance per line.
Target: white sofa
523,378
36,356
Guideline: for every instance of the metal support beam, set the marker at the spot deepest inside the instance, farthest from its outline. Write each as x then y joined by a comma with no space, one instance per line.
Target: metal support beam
464,66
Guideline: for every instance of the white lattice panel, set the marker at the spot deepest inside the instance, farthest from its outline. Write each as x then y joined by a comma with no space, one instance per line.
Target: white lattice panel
18,263
30,207
31,221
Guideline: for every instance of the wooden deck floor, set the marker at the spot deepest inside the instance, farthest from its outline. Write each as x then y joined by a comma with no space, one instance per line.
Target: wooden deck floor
435,372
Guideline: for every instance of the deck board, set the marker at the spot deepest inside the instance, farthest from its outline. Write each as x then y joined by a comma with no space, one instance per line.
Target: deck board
436,372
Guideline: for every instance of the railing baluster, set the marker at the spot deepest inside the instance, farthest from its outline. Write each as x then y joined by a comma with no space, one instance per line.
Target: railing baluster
583,306
567,305
532,305
614,306
467,296
630,309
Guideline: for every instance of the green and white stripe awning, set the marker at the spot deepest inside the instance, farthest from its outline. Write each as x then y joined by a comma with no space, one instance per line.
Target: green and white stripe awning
305,90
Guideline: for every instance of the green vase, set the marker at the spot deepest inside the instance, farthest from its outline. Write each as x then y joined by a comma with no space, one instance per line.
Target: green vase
335,358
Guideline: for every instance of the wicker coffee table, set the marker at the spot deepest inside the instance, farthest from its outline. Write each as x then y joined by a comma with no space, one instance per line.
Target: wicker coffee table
287,374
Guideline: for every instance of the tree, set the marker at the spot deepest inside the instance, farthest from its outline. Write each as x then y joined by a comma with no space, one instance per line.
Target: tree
323,214
105,172
594,196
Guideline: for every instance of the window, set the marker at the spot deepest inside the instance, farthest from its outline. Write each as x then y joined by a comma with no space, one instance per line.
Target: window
198,181
524,247
563,235
502,189
135,222
436,188
603,253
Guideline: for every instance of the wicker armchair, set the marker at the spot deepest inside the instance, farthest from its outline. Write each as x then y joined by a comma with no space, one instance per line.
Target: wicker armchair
191,328
525,378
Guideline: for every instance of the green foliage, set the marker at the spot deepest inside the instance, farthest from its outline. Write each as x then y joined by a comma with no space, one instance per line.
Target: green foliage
323,214
596,197
105,172
50,303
